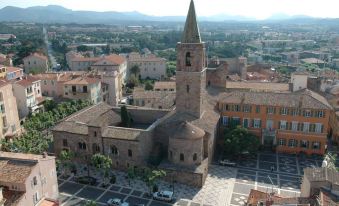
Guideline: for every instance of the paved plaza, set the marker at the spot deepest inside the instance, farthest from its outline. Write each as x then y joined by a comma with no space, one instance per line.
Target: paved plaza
224,186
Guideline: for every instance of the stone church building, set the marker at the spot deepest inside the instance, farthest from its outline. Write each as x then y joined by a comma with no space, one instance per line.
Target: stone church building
182,139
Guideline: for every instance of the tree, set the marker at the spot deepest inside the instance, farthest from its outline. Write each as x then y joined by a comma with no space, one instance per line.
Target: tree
132,82
148,86
131,174
91,203
239,140
135,69
65,158
125,117
104,163
329,161
151,176
83,48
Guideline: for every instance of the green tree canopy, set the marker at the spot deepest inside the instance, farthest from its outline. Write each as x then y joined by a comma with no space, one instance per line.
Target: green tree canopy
125,117
239,140
135,69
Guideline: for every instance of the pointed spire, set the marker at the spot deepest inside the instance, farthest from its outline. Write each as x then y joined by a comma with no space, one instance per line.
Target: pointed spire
191,30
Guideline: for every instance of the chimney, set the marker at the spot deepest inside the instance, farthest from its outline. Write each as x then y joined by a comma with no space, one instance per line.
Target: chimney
44,154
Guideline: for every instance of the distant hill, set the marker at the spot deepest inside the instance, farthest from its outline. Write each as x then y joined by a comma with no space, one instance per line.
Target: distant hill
59,14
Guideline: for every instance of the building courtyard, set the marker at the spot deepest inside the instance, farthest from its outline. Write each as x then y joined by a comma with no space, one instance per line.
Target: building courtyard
223,186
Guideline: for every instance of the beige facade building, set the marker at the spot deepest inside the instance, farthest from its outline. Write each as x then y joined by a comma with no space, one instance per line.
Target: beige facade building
154,99
150,66
9,122
27,92
27,180
164,86
35,62
83,87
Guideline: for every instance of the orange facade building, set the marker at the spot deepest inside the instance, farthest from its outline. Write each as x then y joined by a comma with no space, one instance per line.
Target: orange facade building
293,122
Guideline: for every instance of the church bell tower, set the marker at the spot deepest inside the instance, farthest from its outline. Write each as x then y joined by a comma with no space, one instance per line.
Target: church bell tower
191,68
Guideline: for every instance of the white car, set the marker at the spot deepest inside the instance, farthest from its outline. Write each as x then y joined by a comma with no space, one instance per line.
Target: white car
116,202
227,163
163,196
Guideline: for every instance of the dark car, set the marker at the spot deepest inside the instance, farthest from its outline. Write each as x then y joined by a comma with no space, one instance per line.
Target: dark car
87,180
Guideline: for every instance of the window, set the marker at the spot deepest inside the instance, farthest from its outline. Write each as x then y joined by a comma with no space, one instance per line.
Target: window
36,197
294,126
270,110
226,107
114,150
257,123
246,123
312,127
95,133
35,181
64,142
304,144
195,157
52,82
283,125
225,120
284,111
171,154
182,158
247,108
130,153
236,120
2,108
282,142
318,128
321,114
307,113
74,88
236,108
257,109
45,82
188,59
306,127
292,143
187,88
84,89
316,145
4,121
82,145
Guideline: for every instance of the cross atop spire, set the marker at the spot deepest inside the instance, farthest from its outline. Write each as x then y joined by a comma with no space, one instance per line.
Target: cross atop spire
191,30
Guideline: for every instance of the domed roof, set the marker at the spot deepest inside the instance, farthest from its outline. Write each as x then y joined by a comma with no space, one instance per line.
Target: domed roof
186,130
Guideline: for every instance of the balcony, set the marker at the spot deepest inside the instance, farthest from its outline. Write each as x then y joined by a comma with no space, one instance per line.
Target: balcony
269,132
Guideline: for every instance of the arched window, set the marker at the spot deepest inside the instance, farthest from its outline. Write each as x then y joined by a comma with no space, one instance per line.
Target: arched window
82,145
188,59
114,150
182,158
195,156
130,153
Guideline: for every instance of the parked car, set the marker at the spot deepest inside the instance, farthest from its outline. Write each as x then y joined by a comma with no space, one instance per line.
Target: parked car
116,202
88,180
227,163
166,196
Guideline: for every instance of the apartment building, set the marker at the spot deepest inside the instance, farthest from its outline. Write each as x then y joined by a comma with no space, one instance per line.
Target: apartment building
14,73
27,91
9,121
36,62
293,122
27,180
83,87
150,66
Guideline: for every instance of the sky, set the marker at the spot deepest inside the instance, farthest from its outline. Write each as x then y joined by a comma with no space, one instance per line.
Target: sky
259,9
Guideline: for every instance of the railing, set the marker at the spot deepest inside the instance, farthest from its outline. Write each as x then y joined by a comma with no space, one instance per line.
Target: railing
269,132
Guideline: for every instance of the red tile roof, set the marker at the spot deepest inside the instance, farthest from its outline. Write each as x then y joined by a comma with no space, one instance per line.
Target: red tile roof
40,56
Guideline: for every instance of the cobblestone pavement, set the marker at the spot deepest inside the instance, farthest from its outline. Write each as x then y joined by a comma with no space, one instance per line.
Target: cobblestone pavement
224,186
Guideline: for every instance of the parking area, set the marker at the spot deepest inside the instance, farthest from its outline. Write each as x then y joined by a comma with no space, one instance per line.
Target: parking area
224,185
